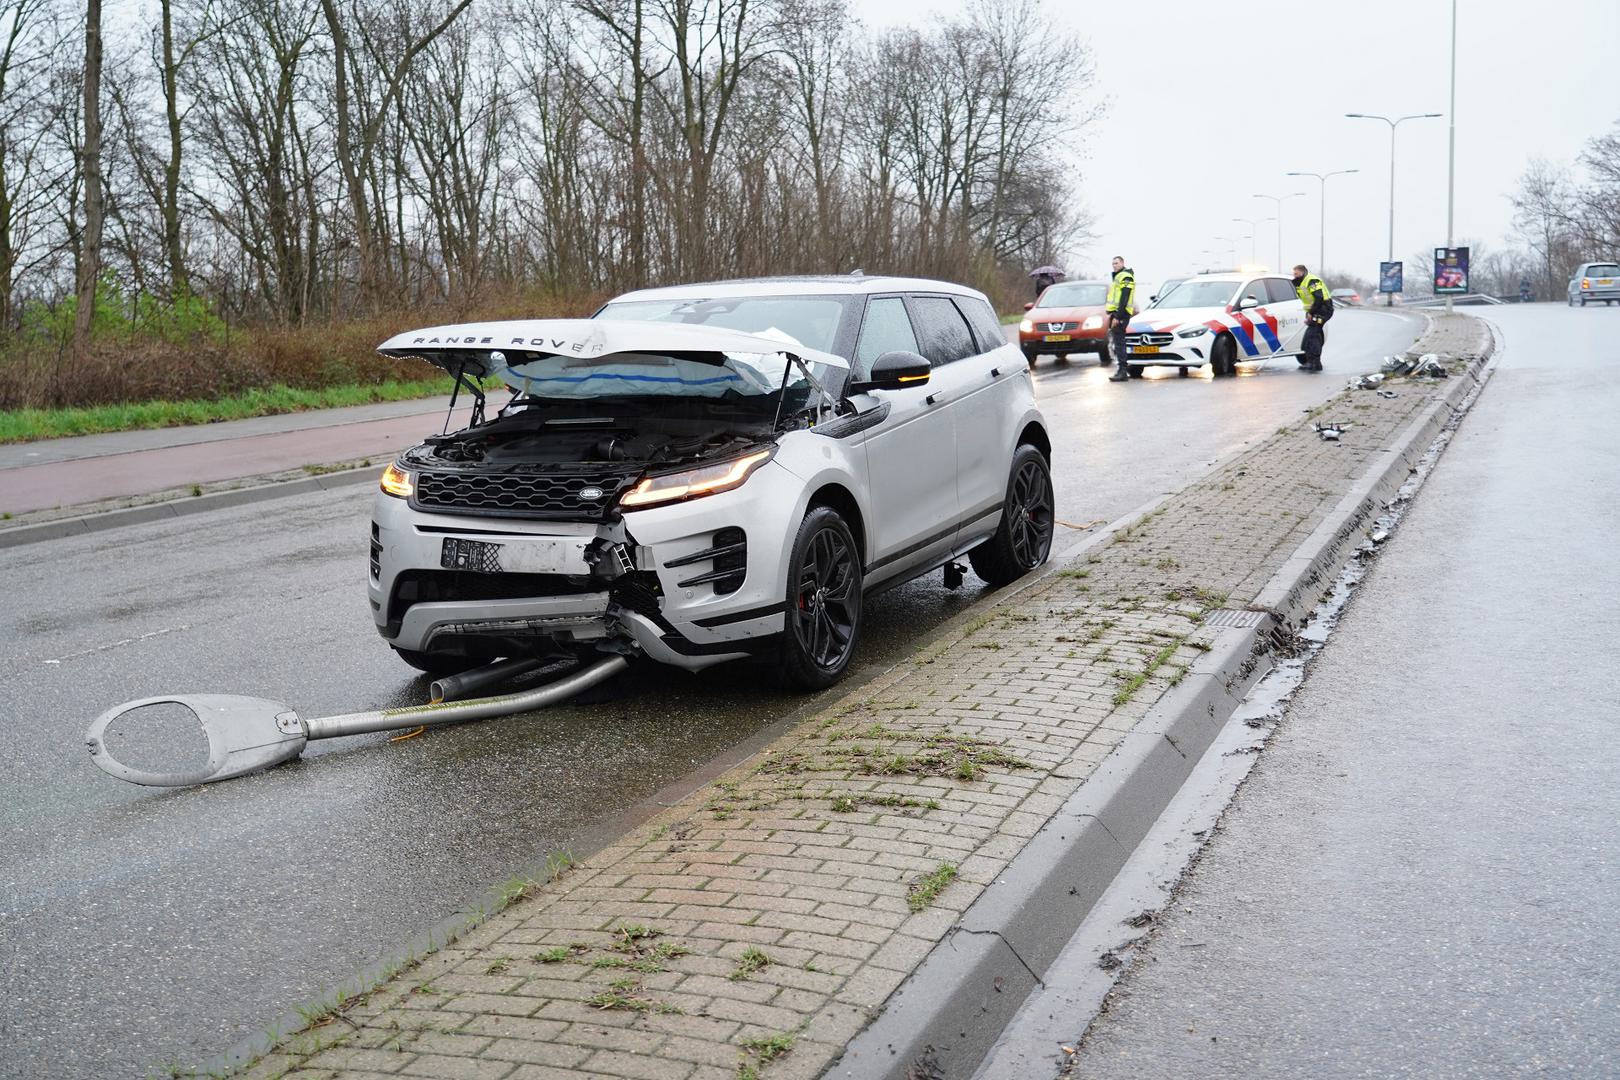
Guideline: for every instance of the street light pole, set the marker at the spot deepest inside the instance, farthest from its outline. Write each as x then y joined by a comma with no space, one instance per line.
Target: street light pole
1233,242
1254,230
1279,199
1389,298
1451,152
1322,178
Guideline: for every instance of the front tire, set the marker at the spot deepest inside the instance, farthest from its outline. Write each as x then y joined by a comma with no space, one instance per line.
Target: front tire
1223,357
1023,540
823,602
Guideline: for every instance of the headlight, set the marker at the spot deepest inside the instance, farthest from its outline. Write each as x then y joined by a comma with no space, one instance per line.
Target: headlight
1092,322
1026,326
397,482
1192,331
707,480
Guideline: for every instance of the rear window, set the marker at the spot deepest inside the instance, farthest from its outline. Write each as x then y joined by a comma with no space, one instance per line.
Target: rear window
944,333
1603,270
986,327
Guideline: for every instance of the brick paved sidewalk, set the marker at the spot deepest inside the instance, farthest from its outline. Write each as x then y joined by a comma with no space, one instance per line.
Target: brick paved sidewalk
753,929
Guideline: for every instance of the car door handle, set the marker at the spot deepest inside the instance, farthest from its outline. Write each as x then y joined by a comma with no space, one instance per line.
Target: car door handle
932,399
995,373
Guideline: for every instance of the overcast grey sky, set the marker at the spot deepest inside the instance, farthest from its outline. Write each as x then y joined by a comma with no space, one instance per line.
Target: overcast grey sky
1211,101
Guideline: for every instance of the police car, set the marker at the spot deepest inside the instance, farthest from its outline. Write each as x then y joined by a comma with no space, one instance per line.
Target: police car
1217,319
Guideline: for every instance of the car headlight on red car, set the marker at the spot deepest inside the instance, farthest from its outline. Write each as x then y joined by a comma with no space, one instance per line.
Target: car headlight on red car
694,483
1027,326
1092,322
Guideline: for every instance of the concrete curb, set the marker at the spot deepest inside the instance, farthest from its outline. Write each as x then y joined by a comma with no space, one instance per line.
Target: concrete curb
19,535
950,1011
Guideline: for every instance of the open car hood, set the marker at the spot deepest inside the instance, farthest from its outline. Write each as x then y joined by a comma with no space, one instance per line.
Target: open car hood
510,350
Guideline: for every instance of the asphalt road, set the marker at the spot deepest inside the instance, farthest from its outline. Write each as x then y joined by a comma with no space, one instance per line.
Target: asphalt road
1421,876
144,928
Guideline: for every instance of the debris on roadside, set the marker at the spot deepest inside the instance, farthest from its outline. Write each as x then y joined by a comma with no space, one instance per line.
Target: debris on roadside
1368,382
1108,961
1330,431
1390,394
1398,365
1430,365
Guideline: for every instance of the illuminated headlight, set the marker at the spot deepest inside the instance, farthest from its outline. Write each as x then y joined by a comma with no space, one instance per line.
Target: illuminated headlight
1192,332
693,483
1092,322
397,482
1027,326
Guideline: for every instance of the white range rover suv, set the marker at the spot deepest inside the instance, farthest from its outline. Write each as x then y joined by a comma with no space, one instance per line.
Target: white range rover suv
708,472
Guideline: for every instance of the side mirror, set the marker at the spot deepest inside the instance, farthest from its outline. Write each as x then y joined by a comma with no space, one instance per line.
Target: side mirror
1154,299
1250,301
894,371
1029,307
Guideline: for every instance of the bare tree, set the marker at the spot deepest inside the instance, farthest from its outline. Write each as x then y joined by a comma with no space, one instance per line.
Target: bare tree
89,271
371,55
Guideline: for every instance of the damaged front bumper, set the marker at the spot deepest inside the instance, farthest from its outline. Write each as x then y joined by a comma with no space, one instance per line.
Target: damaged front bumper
689,584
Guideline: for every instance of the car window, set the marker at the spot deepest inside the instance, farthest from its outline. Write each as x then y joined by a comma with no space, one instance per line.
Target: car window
1074,294
809,320
887,328
1195,294
987,330
1282,289
943,332
1256,289
1603,270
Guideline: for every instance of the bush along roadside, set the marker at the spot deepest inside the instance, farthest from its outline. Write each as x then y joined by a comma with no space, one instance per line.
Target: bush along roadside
28,425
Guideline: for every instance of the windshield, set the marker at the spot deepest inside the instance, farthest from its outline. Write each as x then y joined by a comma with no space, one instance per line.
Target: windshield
1196,294
812,321
1074,294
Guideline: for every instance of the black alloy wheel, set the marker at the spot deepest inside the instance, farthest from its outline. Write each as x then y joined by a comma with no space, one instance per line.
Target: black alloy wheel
823,602
1023,540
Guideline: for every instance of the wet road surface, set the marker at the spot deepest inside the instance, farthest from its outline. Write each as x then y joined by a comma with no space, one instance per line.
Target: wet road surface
1421,876
145,927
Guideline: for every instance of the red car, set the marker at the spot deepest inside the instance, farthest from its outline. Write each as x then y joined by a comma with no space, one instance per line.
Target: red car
1068,318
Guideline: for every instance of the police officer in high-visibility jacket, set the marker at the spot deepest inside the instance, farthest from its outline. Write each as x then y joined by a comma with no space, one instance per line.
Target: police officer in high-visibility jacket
1119,307
1313,293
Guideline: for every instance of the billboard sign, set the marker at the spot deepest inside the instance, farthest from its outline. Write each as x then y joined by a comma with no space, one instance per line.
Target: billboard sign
1450,270
1389,277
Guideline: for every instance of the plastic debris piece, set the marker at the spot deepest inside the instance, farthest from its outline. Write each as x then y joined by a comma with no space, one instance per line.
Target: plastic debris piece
1429,364
1368,382
1330,432
1388,394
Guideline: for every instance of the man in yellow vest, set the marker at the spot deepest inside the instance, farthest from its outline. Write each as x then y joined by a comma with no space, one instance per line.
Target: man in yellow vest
1120,306
1313,293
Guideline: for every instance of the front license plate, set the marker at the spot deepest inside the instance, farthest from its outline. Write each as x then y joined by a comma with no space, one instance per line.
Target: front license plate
538,556
1144,350
1057,337
475,555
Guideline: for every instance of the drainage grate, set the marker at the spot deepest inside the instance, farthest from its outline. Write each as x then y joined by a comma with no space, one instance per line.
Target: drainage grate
1234,617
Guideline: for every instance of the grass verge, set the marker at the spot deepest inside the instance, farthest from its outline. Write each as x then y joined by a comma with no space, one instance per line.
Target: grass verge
27,425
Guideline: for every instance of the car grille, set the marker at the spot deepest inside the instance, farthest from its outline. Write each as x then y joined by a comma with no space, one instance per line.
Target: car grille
539,495
1160,340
